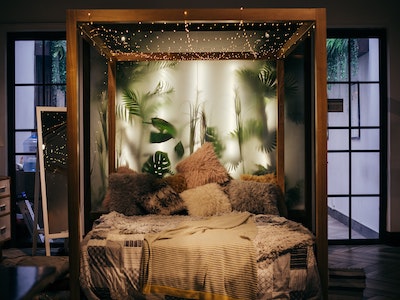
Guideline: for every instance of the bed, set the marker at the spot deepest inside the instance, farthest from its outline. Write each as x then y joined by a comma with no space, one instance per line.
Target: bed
112,257
197,234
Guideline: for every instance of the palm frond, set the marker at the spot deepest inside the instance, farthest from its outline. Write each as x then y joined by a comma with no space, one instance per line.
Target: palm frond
130,99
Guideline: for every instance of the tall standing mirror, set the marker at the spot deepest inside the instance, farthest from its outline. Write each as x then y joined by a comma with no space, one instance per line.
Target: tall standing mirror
52,152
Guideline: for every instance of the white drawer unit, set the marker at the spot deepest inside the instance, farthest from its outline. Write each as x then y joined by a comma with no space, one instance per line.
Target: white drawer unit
5,209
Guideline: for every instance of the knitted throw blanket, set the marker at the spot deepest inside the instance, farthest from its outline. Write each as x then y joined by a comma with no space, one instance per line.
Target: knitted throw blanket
206,259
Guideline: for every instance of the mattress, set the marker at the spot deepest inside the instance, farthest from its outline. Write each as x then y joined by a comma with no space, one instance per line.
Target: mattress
112,255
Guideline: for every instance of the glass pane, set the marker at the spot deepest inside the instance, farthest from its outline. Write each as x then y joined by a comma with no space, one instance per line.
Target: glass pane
365,217
25,103
339,93
25,62
337,53
54,61
294,135
365,59
25,142
369,104
25,163
365,173
338,173
338,218
55,95
98,128
338,139
368,140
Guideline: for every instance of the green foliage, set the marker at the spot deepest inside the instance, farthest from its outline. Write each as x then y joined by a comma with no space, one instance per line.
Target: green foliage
166,131
212,136
339,51
157,164
58,49
268,81
179,150
136,71
141,105
261,170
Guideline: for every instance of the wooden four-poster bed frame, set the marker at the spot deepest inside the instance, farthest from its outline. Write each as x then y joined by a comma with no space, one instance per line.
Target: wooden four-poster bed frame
78,25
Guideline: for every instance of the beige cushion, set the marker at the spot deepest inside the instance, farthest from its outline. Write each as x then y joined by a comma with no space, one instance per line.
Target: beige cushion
206,200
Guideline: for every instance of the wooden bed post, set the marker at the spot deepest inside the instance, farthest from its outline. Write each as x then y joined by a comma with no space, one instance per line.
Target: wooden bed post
321,115
280,136
111,114
73,136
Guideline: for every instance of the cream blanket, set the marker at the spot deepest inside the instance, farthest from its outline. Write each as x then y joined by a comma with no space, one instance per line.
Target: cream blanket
208,259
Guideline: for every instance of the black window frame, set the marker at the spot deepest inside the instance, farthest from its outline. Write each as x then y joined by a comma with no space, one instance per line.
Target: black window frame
380,33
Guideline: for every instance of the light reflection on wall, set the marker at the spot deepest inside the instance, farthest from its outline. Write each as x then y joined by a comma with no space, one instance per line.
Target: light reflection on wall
212,86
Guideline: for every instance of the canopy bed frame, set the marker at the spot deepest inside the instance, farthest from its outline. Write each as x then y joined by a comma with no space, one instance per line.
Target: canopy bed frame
82,24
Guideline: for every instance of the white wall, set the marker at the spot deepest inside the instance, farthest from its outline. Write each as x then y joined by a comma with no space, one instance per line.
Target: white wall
34,15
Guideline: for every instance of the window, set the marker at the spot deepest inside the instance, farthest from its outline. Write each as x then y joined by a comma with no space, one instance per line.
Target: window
36,77
356,134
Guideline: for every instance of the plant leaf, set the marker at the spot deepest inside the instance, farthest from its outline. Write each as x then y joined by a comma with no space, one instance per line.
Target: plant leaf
164,126
159,137
179,149
157,164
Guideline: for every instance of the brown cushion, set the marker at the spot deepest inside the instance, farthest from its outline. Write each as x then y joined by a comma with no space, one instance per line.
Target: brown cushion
268,178
254,197
202,167
106,200
141,193
177,182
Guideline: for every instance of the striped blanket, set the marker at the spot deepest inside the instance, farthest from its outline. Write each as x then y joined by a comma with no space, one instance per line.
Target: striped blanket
207,259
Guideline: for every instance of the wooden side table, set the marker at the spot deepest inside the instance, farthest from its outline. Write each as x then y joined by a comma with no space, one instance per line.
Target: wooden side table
24,282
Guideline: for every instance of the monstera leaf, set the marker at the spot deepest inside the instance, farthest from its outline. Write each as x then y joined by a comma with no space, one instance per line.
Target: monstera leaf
166,131
157,164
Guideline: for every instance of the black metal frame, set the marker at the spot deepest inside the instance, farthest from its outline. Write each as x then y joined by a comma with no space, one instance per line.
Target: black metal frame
381,35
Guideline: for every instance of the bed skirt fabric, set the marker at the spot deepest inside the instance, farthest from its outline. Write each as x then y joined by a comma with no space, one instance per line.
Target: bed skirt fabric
111,255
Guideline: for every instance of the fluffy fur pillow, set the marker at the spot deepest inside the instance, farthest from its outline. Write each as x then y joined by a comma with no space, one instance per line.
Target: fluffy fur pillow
202,167
254,197
141,193
206,200
106,200
177,182
268,178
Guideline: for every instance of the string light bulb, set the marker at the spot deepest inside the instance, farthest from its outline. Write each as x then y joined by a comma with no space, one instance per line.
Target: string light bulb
191,40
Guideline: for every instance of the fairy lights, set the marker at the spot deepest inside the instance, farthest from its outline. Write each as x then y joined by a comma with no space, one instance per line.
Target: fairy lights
54,140
192,40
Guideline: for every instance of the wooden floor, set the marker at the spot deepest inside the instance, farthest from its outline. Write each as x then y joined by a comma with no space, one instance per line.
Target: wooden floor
380,262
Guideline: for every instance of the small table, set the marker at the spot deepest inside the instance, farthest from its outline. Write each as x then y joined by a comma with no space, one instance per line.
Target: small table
24,282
